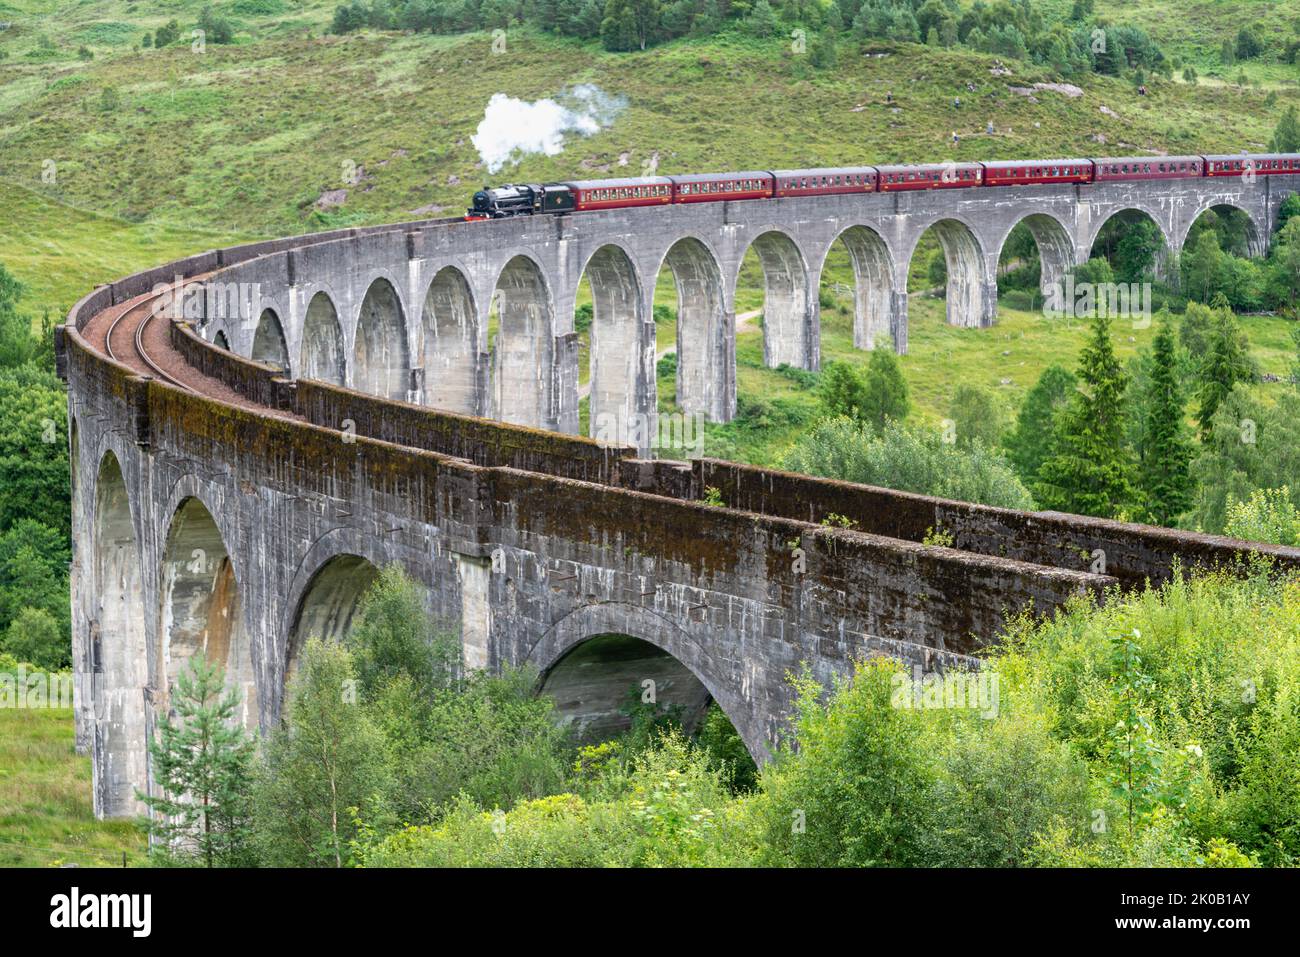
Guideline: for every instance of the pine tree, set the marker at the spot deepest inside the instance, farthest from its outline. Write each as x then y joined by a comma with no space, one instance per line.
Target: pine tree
202,762
762,20
1030,440
1164,476
1226,364
1286,138
885,397
1088,469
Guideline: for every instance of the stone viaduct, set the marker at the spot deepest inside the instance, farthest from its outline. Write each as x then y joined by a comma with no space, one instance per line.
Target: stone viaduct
329,405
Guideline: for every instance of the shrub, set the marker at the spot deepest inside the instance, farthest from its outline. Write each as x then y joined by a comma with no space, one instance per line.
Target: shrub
674,813
35,636
908,459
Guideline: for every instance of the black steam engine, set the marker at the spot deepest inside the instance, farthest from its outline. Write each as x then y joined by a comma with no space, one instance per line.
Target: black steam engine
499,202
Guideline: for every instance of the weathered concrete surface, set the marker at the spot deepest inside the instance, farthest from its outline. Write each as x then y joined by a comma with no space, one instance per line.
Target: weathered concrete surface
201,525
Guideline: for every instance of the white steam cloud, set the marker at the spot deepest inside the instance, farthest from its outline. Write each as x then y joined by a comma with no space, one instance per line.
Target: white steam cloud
512,128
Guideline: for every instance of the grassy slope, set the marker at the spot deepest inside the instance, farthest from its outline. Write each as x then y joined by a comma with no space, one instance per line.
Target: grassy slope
45,811
1194,30
248,137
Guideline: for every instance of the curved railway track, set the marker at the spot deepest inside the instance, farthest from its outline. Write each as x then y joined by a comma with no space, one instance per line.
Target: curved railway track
136,318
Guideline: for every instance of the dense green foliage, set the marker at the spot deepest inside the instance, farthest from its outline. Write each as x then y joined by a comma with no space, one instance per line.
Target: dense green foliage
875,395
1020,29
35,510
907,458
1158,730
1252,445
329,763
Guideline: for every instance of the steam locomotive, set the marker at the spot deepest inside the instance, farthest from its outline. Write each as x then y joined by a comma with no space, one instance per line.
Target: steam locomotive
499,202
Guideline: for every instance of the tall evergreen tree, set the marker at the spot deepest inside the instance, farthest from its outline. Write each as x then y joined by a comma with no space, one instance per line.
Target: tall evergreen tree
886,390
1226,364
202,762
1088,470
1164,476
1029,442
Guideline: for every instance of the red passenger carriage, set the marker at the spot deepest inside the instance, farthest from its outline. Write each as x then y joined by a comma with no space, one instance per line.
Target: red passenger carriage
1147,167
932,176
1034,172
712,187
1266,164
818,182
617,193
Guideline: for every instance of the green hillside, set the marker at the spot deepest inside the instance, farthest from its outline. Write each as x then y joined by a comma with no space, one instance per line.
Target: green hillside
250,136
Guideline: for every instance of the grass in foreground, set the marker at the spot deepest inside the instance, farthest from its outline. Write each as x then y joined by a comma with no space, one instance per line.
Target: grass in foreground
46,819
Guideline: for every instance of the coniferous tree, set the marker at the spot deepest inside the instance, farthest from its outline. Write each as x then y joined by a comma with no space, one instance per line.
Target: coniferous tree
1226,364
1286,138
885,398
202,762
762,20
1030,441
1164,475
1088,470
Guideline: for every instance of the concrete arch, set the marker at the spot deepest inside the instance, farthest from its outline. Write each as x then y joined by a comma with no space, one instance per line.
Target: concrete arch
200,611
1161,265
789,302
329,604
321,356
1257,234
971,292
448,323
342,540
618,345
1156,215
381,362
873,277
618,618
1056,255
119,648
269,344
523,355
706,368
221,341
